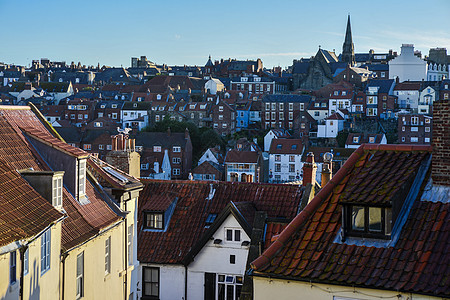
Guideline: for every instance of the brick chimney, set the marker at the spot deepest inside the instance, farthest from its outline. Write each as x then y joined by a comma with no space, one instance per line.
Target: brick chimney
309,170
123,155
327,168
440,171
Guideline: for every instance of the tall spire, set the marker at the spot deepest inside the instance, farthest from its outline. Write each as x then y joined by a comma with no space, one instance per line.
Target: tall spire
348,50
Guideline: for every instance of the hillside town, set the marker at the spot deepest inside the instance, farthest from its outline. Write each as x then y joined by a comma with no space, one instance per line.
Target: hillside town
329,178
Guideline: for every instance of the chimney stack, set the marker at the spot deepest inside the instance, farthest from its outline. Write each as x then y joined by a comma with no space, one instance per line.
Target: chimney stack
440,170
327,168
309,170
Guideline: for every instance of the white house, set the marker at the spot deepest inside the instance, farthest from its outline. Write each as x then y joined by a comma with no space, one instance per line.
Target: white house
285,160
426,98
333,124
212,155
274,134
407,66
214,85
135,115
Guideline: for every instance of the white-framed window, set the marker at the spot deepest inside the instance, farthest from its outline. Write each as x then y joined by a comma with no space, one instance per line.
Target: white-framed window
176,160
267,106
130,244
45,251
302,106
153,220
151,282
220,108
224,125
144,166
273,115
176,149
291,116
274,106
232,235
80,276
414,139
26,259
427,140
220,117
414,120
216,125
87,147
114,115
403,138
57,191
157,118
101,147
108,147
108,255
12,267
281,115
427,129
267,115
277,167
176,172
156,148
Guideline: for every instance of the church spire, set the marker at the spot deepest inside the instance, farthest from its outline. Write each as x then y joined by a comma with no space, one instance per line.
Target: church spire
348,50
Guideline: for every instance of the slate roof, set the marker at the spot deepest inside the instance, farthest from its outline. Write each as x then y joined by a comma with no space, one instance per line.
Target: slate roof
383,84
418,262
286,98
236,156
286,146
150,139
187,224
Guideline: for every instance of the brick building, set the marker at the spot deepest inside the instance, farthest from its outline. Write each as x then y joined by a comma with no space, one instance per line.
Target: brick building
278,110
414,129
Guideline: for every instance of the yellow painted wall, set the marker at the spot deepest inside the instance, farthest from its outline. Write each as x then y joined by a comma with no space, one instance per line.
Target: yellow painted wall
35,284
97,284
8,291
265,288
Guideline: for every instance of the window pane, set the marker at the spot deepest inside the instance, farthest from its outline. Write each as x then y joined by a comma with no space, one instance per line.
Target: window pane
229,235
388,221
148,289
237,235
358,218
154,289
147,275
230,292
155,276
238,292
221,291
375,219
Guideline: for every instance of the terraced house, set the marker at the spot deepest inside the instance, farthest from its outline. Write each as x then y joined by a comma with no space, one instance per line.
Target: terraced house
67,218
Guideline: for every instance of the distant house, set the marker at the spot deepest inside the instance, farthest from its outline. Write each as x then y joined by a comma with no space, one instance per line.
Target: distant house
274,134
135,115
285,160
243,166
333,124
414,129
213,86
379,98
208,170
407,66
408,94
213,155
153,146
278,110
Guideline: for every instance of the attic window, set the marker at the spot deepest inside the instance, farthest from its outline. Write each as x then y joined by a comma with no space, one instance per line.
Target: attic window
57,191
368,221
355,139
153,220
81,180
372,139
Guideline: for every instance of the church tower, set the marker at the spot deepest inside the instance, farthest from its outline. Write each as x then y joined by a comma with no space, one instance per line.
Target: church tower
348,50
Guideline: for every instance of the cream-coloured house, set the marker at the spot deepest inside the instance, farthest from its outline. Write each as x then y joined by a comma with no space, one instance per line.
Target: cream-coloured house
84,243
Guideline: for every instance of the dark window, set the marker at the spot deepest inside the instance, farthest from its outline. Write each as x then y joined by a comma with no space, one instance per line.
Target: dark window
294,147
210,219
279,146
237,235
150,283
153,220
210,286
232,259
12,267
229,235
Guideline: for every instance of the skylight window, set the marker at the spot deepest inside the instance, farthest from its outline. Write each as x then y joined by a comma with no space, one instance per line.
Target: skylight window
210,219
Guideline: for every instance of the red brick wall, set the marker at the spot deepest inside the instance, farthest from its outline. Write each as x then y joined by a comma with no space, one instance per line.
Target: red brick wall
441,143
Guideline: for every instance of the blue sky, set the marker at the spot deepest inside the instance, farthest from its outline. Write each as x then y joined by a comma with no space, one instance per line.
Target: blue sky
186,32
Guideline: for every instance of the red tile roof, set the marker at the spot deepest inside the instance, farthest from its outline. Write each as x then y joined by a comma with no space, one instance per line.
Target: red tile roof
17,124
187,224
418,262
23,211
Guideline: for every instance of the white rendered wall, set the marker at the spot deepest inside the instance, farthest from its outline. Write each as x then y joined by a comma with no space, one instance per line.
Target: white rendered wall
216,258
171,285
407,66
285,167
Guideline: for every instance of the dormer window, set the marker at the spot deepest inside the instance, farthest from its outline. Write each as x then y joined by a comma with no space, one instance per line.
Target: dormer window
57,191
355,139
153,220
368,221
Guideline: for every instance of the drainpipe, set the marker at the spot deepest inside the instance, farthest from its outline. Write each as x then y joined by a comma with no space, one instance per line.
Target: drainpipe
185,282
126,252
63,261
22,269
